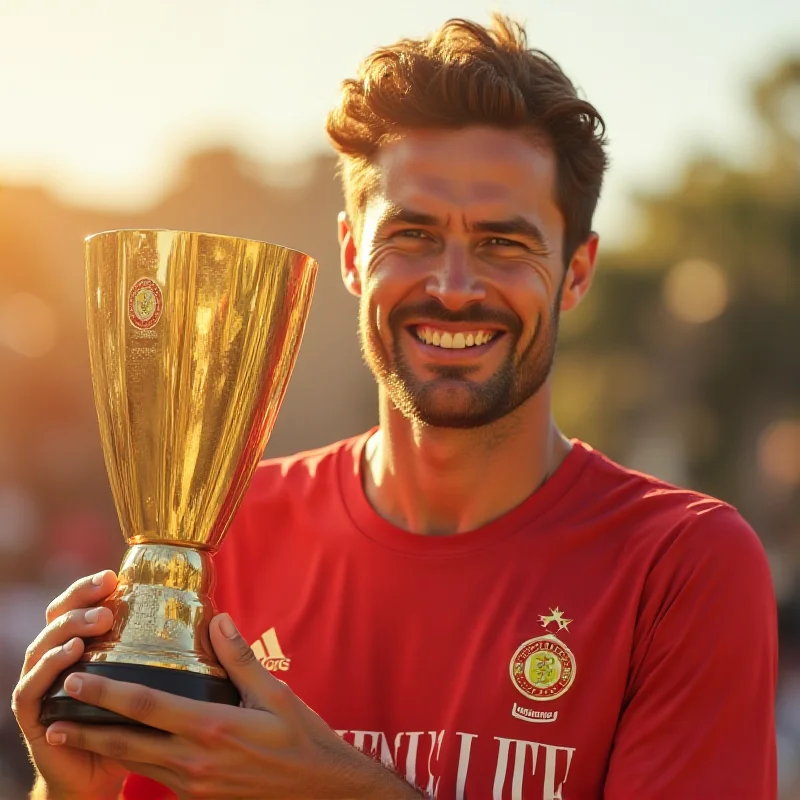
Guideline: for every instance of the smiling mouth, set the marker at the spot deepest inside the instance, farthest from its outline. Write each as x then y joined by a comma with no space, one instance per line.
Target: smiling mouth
436,337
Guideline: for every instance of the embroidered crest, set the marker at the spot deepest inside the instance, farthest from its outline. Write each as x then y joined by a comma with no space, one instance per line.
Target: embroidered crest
543,668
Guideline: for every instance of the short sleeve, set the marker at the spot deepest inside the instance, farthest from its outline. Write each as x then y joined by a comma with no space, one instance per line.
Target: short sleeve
698,720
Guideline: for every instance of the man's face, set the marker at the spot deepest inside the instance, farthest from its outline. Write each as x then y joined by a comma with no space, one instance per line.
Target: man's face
460,272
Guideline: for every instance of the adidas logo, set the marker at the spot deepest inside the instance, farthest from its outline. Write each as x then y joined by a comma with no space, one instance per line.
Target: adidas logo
269,652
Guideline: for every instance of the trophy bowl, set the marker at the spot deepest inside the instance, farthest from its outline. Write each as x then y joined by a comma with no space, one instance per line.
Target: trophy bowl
192,339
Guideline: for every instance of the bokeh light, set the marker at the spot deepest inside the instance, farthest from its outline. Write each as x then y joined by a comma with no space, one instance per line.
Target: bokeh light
27,325
779,452
696,291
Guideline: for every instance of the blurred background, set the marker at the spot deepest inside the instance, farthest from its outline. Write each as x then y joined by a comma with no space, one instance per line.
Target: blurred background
684,362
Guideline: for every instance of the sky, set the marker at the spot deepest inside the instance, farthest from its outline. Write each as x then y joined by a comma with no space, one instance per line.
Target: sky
101,99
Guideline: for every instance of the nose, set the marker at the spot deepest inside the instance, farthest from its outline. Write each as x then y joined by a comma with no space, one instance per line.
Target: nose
454,282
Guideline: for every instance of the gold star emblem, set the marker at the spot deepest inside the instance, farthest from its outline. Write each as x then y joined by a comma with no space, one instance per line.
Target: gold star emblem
556,616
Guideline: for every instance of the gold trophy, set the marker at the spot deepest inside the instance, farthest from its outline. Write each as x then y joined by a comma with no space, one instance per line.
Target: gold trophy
192,339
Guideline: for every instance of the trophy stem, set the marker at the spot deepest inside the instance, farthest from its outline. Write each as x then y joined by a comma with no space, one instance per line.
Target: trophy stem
162,609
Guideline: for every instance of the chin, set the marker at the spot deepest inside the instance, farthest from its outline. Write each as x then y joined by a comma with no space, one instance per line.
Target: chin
444,409
447,420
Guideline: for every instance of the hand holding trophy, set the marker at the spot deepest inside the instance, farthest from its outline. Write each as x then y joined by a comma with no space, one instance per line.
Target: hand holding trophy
192,339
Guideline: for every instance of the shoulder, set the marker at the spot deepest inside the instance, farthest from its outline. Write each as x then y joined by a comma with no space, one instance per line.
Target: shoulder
697,556
698,573
663,518
297,477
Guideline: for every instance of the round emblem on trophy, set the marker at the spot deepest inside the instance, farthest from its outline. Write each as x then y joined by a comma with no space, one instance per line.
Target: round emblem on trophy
145,303
542,668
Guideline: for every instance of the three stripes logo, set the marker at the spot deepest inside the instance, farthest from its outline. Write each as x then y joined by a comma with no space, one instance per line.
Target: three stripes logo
269,652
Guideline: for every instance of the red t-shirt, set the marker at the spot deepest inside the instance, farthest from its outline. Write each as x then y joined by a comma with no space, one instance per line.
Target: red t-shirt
611,637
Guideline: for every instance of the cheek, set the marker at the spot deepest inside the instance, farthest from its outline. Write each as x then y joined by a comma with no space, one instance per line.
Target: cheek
376,304
384,289
528,297
531,300
372,306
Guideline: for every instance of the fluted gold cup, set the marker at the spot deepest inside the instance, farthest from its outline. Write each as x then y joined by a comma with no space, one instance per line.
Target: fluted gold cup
192,339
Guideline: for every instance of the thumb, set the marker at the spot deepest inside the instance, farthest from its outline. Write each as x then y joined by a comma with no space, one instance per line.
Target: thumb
256,685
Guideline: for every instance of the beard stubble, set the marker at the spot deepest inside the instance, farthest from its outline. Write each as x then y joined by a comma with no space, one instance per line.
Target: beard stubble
451,399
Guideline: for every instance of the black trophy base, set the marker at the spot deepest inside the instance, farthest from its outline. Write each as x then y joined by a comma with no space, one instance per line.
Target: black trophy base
58,706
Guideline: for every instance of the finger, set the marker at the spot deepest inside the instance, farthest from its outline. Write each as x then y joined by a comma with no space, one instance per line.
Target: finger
258,687
26,700
156,709
83,622
83,593
119,742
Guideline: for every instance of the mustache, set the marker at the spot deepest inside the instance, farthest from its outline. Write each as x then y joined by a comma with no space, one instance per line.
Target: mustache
472,314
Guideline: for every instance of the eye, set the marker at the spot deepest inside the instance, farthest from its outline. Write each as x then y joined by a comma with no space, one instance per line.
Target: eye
413,233
499,241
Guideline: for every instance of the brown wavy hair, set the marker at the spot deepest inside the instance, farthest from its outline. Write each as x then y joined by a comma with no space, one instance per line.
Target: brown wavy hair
465,74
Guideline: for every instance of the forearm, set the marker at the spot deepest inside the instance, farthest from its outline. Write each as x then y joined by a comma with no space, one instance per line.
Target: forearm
41,791
372,780
390,786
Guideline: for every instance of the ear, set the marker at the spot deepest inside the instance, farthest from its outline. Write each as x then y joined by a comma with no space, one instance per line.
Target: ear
348,255
580,273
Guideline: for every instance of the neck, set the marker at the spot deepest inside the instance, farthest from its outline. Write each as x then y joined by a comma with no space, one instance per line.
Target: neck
441,481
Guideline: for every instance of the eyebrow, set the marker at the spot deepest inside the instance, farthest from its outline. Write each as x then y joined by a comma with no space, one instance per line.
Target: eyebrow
395,214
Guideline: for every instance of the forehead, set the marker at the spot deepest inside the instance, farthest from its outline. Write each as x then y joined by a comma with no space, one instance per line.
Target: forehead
474,170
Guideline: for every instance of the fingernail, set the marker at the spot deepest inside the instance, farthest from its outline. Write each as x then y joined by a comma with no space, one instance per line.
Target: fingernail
55,737
73,684
98,579
68,646
91,615
227,627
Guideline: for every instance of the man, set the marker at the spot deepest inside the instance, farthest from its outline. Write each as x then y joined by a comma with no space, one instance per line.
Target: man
488,609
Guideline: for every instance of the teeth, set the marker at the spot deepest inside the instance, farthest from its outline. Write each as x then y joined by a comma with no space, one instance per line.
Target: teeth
453,341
